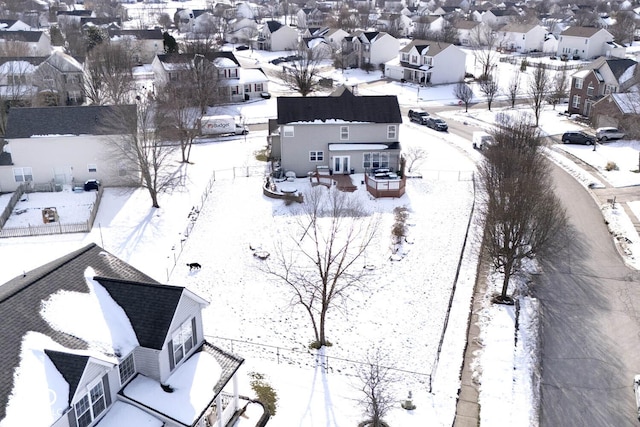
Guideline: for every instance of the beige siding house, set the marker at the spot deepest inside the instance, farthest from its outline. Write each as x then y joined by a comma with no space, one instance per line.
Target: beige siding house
428,62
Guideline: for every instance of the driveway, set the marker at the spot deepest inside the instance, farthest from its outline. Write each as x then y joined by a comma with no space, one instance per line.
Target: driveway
590,321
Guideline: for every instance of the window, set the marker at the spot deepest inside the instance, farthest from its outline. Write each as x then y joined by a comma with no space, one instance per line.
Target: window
578,83
405,57
23,174
414,59
247,88
376,160
16,79
316,156
92,168
590,90
258,87
235,90
344,132
127,368
91,405
288,131
182,341
609,89
392,132
427,60
576,101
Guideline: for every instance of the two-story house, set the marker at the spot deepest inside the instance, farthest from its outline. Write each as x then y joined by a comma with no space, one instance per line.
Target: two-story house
428,62
60,79
17,80
369,49
466,31
344,132
522,38
13,25
333,36
587,43
144,44
242,30
25,43
308,17
499,17
89,340
602,77
274,36
65,145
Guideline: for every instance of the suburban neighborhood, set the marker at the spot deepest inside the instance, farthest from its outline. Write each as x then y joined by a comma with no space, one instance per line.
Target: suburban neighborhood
391,213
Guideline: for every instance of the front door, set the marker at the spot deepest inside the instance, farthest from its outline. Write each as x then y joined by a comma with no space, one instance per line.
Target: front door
341,164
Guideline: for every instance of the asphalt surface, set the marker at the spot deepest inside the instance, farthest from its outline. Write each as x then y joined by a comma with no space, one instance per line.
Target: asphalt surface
590,322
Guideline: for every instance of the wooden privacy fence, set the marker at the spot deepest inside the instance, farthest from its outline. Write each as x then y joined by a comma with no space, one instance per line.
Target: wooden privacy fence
12,203
53,227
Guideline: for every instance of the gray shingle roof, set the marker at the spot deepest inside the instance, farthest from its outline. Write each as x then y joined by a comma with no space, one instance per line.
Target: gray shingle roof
348,107
21,299
71,366
152,34
27,36
76,120
580,31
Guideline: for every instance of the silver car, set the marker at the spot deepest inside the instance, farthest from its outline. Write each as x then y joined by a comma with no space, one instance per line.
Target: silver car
608,133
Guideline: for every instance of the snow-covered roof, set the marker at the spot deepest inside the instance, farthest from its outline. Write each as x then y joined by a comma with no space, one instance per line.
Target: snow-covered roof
124,415
252,75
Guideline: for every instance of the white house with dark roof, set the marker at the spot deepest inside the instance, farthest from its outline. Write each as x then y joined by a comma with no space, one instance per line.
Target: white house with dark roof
34,43
369,47
343,133
64,145
522,38
144,44
428,62
13,25
274,36
587,43
90,340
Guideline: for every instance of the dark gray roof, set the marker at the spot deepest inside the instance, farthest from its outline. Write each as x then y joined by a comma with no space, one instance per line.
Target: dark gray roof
348,107
27,36
151,34
619,65
273,26
75,12
21,299
76,120
151,320
71,366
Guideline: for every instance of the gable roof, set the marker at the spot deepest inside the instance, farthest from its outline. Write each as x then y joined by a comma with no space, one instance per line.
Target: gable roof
24,36
518,28
580,31
433,47
71,366
74,120
21,299
150,34
619,66
273,26
346,106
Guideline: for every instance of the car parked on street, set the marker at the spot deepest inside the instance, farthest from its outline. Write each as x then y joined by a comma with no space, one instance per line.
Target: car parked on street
578,137
437,124
609,133
418,116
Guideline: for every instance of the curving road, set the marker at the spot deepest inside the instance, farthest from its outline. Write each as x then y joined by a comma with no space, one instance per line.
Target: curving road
590,323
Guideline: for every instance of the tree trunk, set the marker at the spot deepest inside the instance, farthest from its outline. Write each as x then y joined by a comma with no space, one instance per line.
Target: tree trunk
154,198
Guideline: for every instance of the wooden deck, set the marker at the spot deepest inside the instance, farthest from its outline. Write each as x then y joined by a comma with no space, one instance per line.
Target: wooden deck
344,183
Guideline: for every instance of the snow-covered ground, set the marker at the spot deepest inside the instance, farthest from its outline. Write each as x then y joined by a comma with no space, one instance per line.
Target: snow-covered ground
403,311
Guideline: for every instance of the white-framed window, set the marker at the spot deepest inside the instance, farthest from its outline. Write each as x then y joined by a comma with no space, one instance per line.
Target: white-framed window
375,160
235,90
92,168
392,132
127,368
247,88
258,87
609,89
182,341
427,60
405,57
23,174
414,59
590,89
578,83
316,156
344,132
288,131
91,404
16,79
576,101
74,95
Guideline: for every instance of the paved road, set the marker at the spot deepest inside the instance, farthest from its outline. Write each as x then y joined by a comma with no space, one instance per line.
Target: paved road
590,322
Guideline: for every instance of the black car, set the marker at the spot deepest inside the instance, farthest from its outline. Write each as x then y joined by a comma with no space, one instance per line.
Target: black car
278,60
242,47
437,124
578,137
91,184
418,116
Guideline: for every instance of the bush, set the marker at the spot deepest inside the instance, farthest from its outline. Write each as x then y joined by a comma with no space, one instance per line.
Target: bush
265,393
611,166
523,65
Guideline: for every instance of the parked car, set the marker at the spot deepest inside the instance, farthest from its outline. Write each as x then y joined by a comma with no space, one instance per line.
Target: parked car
278,60
265,95
242,47
91,184
418,116
578,137
608,133
437,124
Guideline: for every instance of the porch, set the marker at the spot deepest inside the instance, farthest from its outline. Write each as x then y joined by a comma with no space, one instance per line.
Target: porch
384,183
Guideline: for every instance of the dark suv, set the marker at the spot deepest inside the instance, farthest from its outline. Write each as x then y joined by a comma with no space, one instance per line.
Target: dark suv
437,124
578,137
418,116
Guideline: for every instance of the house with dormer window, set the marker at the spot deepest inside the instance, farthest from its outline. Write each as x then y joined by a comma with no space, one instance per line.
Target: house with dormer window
369,48
602,77
88,338
428,62
342,132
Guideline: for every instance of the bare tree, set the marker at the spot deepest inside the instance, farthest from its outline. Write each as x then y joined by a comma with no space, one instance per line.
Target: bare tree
414,156
513,89
490,88
376,381
109,73
18,91
484,41
537,89
302,75
320,263
558,90
146,156
624,29
521,213
464,93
